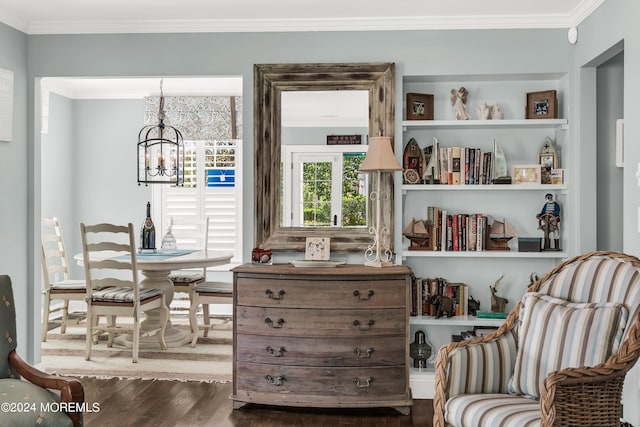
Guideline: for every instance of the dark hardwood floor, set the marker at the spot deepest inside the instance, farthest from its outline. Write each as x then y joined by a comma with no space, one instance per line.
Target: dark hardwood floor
173,403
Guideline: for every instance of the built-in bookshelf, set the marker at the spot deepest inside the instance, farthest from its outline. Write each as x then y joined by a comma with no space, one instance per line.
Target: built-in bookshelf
520,139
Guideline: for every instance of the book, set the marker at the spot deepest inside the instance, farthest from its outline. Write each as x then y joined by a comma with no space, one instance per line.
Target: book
455,165
491,315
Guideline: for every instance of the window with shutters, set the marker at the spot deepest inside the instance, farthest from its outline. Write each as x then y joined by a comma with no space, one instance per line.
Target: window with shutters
212,184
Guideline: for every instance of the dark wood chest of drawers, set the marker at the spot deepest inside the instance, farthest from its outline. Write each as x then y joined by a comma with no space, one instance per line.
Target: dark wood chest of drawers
321,337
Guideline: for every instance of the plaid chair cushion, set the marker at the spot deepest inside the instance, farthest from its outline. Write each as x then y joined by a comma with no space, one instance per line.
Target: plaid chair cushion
186,278
491,410
482,368
118,294
69,285
556,334
214,287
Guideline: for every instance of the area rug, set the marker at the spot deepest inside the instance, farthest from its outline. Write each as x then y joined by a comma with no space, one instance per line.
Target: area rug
209,361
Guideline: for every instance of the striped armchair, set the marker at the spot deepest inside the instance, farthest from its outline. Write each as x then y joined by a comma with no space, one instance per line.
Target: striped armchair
559,359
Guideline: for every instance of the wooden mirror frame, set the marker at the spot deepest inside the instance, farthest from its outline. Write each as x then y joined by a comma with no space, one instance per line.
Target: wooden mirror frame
270,80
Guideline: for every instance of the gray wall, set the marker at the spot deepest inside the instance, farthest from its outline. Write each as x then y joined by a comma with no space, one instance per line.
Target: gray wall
88,157
17,194
414,52
610,97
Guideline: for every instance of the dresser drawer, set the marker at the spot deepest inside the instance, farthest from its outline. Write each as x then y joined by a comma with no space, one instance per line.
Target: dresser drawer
321,292
319,323
296,351
322,381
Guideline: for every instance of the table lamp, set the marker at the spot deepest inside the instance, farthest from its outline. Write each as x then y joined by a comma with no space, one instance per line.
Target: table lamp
379,158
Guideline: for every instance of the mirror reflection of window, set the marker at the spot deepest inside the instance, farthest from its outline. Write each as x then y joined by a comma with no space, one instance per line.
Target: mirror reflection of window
321,185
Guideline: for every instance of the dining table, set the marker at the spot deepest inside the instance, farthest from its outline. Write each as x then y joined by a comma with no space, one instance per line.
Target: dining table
155,267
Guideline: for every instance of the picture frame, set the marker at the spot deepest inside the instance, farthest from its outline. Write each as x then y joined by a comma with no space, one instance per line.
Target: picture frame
542,105
419,106
526,174
317,249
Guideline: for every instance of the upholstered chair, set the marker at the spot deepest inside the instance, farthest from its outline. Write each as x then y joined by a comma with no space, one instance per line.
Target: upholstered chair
560,358
25,392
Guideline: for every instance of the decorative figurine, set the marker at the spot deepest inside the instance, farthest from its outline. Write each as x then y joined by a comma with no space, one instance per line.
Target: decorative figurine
444,306
496,112
261,256
474,306
549,223
484,111
498,304
458,100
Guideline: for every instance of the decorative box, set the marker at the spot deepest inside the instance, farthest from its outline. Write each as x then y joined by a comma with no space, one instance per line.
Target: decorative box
529,244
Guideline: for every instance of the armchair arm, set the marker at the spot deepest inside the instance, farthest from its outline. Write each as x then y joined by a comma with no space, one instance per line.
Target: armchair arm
493,359
71,389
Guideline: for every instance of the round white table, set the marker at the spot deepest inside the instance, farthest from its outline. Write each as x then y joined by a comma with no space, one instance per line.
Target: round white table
155,270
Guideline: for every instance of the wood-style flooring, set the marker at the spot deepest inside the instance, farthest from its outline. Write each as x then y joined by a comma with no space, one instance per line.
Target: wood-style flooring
136,403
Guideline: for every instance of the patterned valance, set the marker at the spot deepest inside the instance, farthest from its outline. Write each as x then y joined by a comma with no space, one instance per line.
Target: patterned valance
199,117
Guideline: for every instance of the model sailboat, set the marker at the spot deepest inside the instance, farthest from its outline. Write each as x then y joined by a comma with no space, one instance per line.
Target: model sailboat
499,235
418,234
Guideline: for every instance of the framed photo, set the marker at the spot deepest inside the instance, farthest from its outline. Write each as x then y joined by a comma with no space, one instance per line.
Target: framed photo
317,249
526,174
419,106
542,105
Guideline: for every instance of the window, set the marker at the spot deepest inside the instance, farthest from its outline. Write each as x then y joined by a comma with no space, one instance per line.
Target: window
322,186
210,189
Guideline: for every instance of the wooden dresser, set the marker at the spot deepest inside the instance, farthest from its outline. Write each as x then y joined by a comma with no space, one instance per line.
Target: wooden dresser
321,337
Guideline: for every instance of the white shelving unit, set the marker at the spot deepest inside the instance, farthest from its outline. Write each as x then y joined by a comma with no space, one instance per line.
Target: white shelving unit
520,139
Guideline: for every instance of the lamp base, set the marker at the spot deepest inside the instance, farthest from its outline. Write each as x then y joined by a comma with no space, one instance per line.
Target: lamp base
378,263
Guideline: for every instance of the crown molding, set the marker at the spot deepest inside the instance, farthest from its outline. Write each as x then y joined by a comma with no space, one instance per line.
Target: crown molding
583,10
390,23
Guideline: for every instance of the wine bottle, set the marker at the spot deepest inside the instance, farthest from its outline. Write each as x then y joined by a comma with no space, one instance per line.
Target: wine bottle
148,233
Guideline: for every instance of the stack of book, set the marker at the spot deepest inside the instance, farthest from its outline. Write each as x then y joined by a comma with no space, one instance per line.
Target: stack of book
465,165
456,231
425,293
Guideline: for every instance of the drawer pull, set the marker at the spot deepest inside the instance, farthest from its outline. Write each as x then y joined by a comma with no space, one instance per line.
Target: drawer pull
279,295
277,325
363,383
275,353
356,293
277,381
363,355
363,328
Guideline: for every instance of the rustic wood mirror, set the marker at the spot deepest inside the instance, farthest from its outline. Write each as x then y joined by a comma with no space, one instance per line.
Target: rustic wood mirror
270,80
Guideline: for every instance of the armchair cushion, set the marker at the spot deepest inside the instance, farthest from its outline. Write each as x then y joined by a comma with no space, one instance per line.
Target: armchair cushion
31,404
489,410
557,334
484,367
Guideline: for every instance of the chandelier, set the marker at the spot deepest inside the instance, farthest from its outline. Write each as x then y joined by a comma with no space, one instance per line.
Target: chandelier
160,152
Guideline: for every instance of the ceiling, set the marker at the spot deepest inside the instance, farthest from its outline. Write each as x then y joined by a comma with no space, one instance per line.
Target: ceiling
157,16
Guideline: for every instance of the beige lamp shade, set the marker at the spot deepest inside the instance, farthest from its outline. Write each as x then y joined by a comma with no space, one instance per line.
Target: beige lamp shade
380,156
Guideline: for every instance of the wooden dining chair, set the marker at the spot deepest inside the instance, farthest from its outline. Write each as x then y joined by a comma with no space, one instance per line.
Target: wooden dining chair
205,294
57,284
189,234
109,254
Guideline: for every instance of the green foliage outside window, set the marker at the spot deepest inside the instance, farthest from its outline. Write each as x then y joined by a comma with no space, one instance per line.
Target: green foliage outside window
316,195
